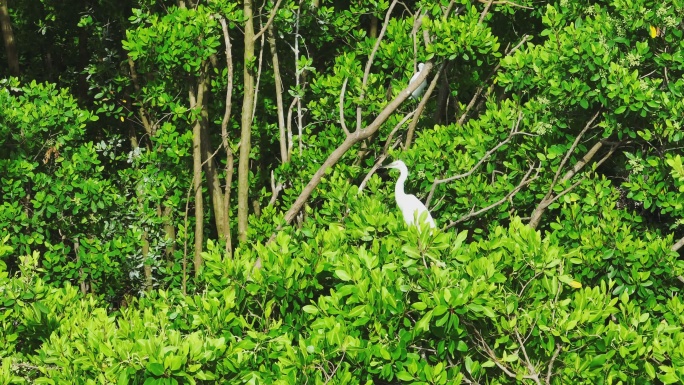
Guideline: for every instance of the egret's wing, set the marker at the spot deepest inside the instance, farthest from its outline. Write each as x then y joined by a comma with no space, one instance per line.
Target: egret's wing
411,206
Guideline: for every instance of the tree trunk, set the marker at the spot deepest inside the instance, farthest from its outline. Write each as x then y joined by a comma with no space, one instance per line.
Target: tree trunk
196,95
8,38
211,171
279,95
230,158
170,234
246,122
146,267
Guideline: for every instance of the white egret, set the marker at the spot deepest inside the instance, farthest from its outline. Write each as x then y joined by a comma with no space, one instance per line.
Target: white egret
418,92
408,203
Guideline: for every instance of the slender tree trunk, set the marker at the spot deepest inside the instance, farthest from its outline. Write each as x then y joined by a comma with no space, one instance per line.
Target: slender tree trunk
83,59
230,158
170,232
211,171
196,95
146,267
246,122
142,114
8,39
440,115
279,95
365,145
373,27
82,280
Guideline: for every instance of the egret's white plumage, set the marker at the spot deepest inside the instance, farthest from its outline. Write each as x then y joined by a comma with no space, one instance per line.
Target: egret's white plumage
408,203
418,92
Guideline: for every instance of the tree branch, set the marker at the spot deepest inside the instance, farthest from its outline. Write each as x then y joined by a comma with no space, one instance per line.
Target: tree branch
421,106
269,21
385,151
437,182
525,181
532,370
369,63
344,89
479,89
485,10
535,218
549,370
507,3
348,142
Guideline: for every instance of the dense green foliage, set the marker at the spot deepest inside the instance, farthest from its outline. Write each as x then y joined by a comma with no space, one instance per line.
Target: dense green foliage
549,154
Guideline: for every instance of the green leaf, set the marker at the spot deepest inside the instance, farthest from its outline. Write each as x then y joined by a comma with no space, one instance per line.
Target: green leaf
343,275
424,323
405,376
311,309
155,368
650,370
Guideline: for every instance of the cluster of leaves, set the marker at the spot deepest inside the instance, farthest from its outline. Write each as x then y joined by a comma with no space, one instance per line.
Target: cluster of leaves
366,300
55,195
579,121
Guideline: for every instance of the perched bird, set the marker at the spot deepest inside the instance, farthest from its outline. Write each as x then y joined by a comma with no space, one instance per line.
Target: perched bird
418,92
408,203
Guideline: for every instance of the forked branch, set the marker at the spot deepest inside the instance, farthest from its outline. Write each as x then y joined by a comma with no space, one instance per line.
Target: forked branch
514,131
526,180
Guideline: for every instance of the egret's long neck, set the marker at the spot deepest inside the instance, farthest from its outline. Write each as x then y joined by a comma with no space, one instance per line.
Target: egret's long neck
399,190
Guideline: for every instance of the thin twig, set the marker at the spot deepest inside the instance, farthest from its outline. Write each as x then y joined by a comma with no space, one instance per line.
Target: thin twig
479,89
421,106
275,190
571,150
500,2
549,370
344,89
532,370
344,352
525,181
369,63
485,11
269,21
437,182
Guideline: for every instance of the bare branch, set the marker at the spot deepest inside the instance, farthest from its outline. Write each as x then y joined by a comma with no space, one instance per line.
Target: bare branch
537,274
571,150
375,167
395,129
275,190
479,90
230,158
270,20
369,63
229,89
290,143
524,182
344,352
280,107
592,152
437,182
549,370
344,89
421,106
490,353
485,11
506,2
535,218
678,245
532,370
385,151
448,9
